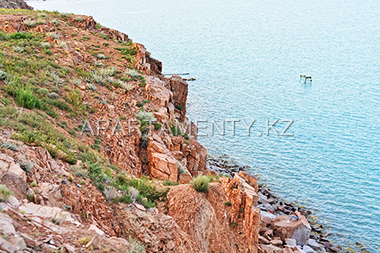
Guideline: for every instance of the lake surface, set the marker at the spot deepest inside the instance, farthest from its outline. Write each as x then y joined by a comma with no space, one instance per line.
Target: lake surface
247,57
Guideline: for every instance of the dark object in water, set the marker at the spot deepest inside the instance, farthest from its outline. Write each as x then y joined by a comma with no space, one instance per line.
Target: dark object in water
305,78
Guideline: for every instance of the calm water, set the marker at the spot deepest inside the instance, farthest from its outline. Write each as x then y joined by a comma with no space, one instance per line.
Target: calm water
246,57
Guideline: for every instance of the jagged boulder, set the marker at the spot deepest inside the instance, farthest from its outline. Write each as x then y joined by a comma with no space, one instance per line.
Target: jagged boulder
299,230
206,218
158,91
157,231
162,164
16,184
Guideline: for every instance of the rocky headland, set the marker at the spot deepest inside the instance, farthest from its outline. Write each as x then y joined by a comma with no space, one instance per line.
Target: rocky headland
97,153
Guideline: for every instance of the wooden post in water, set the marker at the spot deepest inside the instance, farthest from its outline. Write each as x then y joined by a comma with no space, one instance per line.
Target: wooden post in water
305,78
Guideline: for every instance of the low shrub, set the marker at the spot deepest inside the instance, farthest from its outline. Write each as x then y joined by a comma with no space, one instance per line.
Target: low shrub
145,116
134,246
53,95
20,35
132,73
8,145
4,193
178,107
30,23
26,165
146,188
201,183
111,193
133,192
18,49
126,86
91,87
3,75
25,98
157,126
101,56
169,183
181,169
78,19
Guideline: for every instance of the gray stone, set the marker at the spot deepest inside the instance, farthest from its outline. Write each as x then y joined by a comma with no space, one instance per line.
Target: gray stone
6,246
16,184
18,242
97,231
15,168
30,242
6,225
299,230
12,201
308,249
262,198
291,242
266,217
299,248
321,251
314,245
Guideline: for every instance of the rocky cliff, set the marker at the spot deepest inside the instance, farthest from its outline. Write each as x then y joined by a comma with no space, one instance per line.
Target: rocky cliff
97,153
94,142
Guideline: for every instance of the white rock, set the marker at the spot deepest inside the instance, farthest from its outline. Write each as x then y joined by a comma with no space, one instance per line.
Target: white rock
291,242
13,201
308,249
97,230
6,226
15,168
314,245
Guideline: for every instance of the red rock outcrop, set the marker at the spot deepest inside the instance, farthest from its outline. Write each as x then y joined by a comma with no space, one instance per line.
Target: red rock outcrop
180,90
145,62
88,22
243,197
210,222
159,232
162,164
114,34
167,152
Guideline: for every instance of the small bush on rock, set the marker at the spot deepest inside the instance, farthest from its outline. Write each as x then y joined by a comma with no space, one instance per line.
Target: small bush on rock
169,183
201,183
8,145
4,193
134,246
3,75
181,169
25,98
133,192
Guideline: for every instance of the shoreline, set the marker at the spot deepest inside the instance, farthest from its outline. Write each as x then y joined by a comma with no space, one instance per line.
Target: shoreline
273,204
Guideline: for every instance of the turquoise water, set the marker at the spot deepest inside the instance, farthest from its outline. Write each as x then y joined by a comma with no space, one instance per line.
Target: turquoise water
246,57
